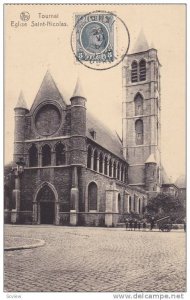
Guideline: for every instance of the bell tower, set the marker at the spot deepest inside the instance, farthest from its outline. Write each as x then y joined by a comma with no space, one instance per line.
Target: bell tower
141,115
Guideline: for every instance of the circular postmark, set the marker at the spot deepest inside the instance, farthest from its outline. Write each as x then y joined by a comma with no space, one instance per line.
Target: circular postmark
24,16
99,40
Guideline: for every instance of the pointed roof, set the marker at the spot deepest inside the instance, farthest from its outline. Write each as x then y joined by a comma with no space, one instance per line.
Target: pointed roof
141,43
150,159
48,91
21,103
78,92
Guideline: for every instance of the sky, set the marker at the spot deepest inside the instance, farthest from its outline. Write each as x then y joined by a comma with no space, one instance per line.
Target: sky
30,51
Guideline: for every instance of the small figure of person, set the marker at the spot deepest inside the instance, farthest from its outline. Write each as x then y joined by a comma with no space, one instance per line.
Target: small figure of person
126,224
139,225
184,226
152,224
135,224
131,224
144,225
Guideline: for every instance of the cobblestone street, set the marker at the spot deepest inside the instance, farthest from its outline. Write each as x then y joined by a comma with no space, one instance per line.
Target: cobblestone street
96,260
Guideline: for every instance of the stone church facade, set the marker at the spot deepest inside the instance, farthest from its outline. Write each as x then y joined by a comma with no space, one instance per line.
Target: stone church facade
76,170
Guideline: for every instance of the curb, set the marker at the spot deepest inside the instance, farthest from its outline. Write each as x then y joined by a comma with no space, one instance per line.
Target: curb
26,246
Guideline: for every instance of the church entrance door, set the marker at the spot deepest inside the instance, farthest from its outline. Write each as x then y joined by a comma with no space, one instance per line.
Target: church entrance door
47,212
46,205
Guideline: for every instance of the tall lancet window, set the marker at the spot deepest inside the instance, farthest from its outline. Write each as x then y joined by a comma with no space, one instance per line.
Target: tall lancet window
139,132
60,154
106,166
114,169
138,105
142,70
33,156
101,163
130,204
95,160
92,196
134,71
110,168
89,157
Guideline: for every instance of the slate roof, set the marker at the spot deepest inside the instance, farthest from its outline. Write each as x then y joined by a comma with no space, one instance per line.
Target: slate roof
141,43
48,91
78,92
104,136
21,103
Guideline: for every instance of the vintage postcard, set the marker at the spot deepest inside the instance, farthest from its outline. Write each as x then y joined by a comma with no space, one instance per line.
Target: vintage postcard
95,148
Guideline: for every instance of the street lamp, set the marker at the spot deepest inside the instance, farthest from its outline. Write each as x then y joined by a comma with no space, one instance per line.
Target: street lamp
17,171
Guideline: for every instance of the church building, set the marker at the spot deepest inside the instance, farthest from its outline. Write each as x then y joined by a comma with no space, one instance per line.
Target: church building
72,169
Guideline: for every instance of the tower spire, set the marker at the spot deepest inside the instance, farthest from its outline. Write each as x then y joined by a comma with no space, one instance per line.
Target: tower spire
78,91
21,103
141,43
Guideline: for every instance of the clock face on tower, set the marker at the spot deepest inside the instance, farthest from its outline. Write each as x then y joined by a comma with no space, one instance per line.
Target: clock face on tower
47,119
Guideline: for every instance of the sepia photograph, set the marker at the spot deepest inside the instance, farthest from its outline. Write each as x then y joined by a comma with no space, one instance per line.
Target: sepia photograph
95,148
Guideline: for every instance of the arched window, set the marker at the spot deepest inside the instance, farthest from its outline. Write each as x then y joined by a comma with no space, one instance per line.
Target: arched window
89,157
106,166
143,205
119,203
142,70
139,208
110,168
95,160
134,204
134,71
92,196
60,154
33,156
114,169
125,174
118,171
46,155
138,105
121,173
130,204
101,163
139,132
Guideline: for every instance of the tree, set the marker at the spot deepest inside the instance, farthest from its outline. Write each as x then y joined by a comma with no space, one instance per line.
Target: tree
8,185
166,205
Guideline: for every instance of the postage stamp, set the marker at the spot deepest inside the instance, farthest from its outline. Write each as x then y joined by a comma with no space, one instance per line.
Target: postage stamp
95,37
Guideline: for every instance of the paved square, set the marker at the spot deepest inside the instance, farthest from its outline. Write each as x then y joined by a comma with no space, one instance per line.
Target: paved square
96,259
